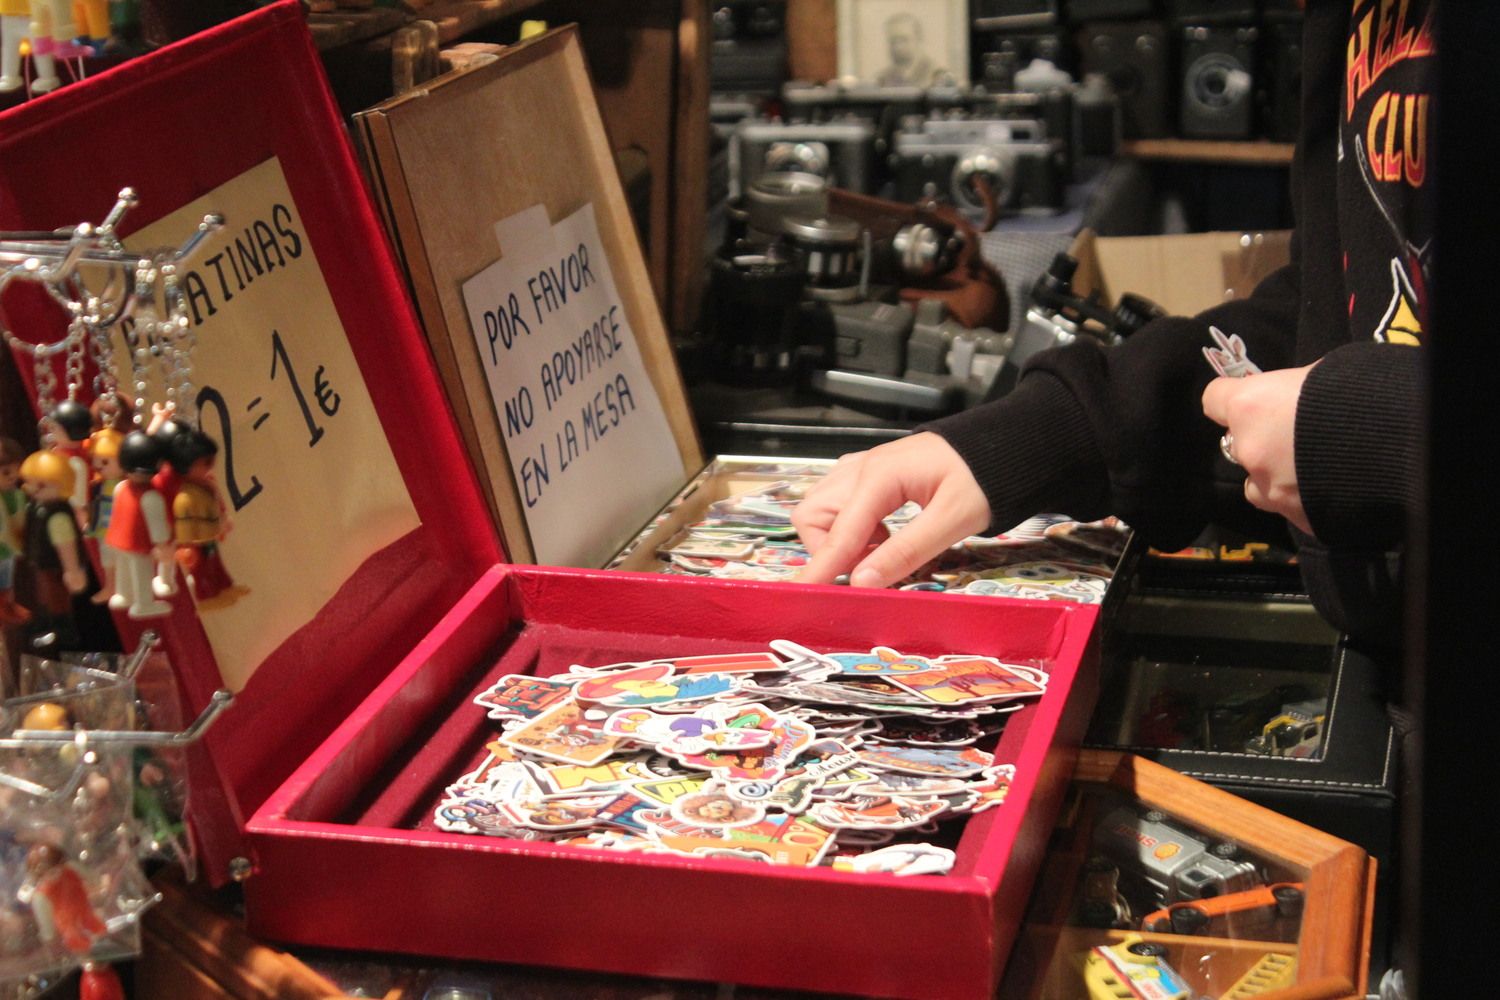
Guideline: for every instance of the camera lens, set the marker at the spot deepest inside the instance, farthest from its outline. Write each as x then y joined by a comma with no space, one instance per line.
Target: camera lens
754,294
996,169
1218,81
773,198
800,157
829,247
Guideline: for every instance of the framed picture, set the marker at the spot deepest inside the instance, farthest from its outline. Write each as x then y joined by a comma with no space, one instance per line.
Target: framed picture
904,43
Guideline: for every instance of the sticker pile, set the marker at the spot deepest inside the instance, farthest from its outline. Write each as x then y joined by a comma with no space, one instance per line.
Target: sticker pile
783,755
1048,557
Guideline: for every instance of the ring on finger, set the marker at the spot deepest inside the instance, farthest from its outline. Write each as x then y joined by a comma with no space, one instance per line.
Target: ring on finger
1226,448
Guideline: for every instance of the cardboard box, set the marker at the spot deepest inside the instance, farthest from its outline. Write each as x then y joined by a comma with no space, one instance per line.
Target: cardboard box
1184,274
375,611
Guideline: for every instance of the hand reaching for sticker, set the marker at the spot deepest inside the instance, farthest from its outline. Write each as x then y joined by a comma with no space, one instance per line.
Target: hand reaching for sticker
1260,414
840,518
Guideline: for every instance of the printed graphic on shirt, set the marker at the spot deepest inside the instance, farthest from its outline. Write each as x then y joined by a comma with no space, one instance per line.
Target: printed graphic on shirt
1387,113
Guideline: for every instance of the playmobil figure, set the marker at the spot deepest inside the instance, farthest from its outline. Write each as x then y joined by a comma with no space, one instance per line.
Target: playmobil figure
164,430
114,414
60,901
12,522
53,34
53,545
200,520
15,22
68,428
139,532
92,18
104,456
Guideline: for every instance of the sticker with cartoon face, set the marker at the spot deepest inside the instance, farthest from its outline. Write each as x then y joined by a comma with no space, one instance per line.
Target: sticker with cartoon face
716,726
769,763
876,812
562,733
713,806
576,813
880,661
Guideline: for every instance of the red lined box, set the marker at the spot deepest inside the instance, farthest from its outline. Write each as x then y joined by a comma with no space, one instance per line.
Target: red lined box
346,733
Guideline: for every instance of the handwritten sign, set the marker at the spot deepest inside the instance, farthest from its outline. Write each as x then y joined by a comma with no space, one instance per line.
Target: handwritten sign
588,441
307,474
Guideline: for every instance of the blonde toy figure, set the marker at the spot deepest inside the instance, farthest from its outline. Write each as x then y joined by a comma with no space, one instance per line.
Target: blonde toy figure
15,28
53,546
52,34
104,456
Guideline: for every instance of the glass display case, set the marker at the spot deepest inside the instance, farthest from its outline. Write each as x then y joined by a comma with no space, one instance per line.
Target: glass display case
1156,885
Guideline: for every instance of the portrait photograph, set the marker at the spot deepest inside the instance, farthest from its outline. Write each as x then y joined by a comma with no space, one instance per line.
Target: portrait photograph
904,43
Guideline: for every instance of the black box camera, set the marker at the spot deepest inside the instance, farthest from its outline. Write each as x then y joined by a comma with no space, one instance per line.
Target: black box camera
1136,58
1218,82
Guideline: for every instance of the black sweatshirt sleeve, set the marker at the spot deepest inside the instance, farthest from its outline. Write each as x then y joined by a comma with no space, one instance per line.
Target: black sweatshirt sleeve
1093,430
1359,444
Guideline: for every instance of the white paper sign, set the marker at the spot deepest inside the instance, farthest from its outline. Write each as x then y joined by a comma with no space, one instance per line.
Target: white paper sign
304,466
589,445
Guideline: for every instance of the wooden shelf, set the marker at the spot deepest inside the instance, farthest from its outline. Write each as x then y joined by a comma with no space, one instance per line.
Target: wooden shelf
454,19
1252,154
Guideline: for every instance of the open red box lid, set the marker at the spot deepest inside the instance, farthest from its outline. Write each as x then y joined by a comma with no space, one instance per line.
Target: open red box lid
249,100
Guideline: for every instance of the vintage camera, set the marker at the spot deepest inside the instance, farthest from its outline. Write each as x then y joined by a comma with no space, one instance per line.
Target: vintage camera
1084,116
748,52
1136,58
1218,81
1058,315
842,152
998,57
969,161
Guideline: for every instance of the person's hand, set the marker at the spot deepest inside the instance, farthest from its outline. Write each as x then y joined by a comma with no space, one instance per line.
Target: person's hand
841,517
1260,414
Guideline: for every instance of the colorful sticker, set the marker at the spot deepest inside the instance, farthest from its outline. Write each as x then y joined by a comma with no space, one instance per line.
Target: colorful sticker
882,660
876,812
517,696
713,806
962,680
900,859
562,733
943,761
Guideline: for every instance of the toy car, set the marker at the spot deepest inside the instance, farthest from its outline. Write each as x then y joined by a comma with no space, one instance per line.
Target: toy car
1169,863
1134,969
1253,912
1297,731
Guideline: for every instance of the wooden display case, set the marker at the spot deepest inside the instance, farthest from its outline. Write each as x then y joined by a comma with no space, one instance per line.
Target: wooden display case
1330,943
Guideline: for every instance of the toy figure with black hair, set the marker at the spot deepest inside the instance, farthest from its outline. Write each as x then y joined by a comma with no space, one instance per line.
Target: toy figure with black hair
140,532
69,425
200,520
53,544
